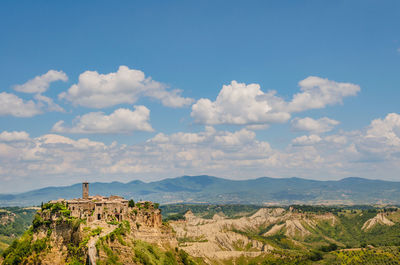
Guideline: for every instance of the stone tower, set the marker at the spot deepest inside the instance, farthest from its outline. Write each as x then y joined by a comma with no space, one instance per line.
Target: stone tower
85,190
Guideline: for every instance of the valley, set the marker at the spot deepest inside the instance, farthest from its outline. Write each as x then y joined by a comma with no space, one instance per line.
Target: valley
215,234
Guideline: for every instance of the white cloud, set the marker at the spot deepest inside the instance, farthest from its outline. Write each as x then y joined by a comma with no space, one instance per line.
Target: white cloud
50,159
241,137
41,83
319,92
124,86
256,127
313,126
238,103
15,106
120,121
387,129
243,104
51,106
208,136
306,140
14,136
11,104
336,139
54,140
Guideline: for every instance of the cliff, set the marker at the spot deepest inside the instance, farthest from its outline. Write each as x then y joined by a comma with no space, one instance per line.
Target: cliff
56,237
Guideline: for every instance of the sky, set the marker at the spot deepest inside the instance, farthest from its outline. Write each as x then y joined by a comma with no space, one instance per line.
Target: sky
125,90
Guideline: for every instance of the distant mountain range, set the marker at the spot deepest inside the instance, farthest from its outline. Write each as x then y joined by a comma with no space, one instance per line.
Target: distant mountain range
207,189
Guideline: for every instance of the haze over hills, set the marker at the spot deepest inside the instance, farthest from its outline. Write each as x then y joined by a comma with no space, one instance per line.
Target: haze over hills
207,189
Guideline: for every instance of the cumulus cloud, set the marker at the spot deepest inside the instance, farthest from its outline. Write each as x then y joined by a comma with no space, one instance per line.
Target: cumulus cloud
96,90
13,105
222,139
379,142
41,83
120,121
387,129
51,106
313,126
381,139
14,136
370,152
307,140
238,103
54,141
336,139
243,104
319,92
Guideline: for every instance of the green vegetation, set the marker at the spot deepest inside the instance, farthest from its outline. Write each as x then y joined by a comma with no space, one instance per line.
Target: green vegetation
176,211
14,221
143,252
334,236
25,249
184,240
147,254
385,255
28,251
275,258
77,249
340,242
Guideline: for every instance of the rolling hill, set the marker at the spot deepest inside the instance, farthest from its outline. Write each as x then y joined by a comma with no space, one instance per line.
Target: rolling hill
207,189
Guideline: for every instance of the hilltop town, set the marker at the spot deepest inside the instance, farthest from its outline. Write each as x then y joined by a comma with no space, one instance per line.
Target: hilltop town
112,230
106,209
82,230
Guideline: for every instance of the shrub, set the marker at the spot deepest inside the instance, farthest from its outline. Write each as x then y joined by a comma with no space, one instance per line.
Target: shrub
329,248
315,256
185,258
37,221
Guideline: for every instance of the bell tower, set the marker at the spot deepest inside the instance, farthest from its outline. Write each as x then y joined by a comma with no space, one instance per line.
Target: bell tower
85,190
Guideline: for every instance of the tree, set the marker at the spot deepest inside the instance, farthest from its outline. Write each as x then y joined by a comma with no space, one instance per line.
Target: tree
131,203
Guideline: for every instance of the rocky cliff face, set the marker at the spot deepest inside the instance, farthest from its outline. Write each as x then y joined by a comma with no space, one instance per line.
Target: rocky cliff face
57,238
380,218
221,238
274,234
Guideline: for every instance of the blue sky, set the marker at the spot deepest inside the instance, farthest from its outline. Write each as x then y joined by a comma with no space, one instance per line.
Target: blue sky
345,122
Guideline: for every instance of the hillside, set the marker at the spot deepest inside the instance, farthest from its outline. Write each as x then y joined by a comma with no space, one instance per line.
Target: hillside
14,221
56,237
233,234
207,189
299,235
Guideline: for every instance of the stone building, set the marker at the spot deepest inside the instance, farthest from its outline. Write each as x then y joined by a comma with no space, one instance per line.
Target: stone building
97,207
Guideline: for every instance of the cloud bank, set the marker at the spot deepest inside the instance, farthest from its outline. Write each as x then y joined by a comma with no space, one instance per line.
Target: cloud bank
120,121
243,104
313,126
40,84
13,105
96,90
370,152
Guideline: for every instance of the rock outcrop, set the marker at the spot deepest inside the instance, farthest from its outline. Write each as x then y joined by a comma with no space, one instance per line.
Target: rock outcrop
56,237
222,238
380,218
